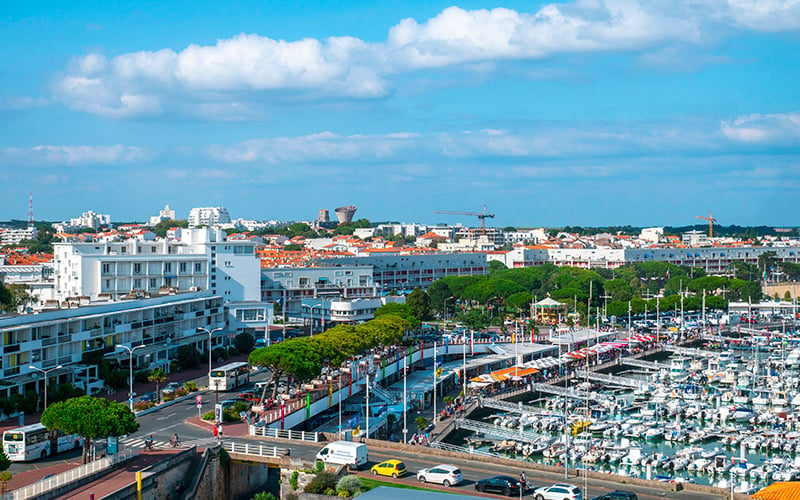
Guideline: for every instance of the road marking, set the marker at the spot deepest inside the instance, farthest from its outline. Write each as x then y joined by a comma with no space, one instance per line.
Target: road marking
167,416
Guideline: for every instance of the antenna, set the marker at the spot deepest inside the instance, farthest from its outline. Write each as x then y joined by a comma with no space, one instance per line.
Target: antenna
30,210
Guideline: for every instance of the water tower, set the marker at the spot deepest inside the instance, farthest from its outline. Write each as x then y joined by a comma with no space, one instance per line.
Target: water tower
345,214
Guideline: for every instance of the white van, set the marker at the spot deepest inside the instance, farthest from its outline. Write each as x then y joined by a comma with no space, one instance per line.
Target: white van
344,453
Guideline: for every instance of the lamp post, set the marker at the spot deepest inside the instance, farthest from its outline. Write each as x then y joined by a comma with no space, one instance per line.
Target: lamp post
210,333
45,372
445,306
130,365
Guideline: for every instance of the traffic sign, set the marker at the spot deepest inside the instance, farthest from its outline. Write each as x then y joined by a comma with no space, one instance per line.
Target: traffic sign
199,401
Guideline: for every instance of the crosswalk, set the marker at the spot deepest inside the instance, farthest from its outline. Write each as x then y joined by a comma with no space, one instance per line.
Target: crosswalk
139,442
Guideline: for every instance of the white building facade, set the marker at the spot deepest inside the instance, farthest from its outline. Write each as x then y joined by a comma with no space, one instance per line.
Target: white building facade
209,216
10,236
202,259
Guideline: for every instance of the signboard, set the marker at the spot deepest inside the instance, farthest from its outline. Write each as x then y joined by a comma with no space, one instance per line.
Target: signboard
199,401
218,412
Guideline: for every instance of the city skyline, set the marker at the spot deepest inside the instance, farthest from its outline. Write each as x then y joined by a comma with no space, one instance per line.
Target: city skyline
589,113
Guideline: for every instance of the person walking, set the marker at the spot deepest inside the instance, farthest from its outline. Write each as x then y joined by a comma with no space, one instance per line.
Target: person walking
215,430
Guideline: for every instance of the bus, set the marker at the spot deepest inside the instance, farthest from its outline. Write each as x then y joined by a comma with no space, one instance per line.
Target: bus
34,441
230,376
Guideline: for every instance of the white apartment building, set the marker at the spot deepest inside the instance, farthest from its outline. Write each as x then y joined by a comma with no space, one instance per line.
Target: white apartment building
91,220
405,272
322,313
10,236
289,286
38,278
63,337
713,260
163,215
695,238
209,216
202,259
652,234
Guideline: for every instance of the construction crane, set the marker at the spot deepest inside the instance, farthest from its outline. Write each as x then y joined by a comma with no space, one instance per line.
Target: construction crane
482,216
711,220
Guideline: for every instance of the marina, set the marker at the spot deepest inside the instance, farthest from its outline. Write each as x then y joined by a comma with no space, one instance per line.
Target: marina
708,414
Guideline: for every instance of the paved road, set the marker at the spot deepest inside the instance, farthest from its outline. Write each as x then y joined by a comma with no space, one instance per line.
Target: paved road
473,471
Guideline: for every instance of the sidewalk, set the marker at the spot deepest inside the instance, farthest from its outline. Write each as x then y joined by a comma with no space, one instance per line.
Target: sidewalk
120,477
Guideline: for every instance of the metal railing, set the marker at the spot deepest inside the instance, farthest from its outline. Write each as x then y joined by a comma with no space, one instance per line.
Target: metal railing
257,450
69,476
460,449
286,434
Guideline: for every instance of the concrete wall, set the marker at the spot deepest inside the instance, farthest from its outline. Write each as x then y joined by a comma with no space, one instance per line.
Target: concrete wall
164,478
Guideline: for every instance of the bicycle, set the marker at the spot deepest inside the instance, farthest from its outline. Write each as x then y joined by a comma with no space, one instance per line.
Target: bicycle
148,445
175,443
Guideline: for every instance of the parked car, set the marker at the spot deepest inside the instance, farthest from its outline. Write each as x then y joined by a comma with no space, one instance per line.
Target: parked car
617,495
171,388
249,396
393,468
446,475
558,491
149,397
505,485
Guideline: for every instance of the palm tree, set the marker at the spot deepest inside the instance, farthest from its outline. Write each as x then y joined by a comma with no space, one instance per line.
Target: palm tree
158,375
421,423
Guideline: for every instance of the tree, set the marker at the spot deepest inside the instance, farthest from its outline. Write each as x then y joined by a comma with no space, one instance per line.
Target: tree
496,265
188,357
438,292
5,477
519,301
474,319
400,310
157,376
419,304
244,342
295,357
165,225
421,423
90,418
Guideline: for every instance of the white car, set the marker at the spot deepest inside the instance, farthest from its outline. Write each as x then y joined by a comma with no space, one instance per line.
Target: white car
446,475
171,388
558,491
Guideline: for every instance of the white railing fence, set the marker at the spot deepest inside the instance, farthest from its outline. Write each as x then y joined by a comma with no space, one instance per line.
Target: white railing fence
258,450
69,476
286,434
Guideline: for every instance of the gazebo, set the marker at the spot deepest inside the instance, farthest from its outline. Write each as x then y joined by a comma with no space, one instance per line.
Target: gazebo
548,310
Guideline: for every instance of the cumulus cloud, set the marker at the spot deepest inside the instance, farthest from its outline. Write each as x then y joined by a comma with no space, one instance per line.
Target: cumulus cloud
764,128
73,155
150,82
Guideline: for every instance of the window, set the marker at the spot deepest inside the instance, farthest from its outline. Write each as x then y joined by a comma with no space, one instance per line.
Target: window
152,249
152,282
106,268
123,250
183,267
137,268
137,284
198,267
168,267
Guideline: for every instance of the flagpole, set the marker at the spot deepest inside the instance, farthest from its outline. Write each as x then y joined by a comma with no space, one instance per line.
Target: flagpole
434,383
405,399
367,405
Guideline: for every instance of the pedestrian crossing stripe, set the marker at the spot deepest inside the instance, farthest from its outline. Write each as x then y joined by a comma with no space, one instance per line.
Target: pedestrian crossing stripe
140,442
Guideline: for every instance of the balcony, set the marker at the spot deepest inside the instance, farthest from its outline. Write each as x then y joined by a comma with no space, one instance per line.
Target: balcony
47,341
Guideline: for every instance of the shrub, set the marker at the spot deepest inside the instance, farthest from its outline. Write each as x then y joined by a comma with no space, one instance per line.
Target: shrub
168,396
219,353
263,495
293,480
140,377
233,351
319,466
322,482
240,406
190,386
180,392
230,415
143,405
209,415
348,485
330,492
344,494
244,342
188,357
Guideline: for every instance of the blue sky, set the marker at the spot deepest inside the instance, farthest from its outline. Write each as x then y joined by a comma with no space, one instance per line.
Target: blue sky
584,112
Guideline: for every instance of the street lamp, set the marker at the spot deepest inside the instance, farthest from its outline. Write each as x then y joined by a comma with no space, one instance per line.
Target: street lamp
45,372
130,365
445,306
210,333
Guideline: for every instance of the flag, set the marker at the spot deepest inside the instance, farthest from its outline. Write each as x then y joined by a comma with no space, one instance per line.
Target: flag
308,406
383,369
357,431
438,372
330,393
667,273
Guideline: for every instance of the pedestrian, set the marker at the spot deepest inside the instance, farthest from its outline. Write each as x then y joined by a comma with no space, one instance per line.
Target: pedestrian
219,432
215,431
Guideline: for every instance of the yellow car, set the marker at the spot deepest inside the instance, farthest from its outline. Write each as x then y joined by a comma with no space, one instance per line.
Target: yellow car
394,468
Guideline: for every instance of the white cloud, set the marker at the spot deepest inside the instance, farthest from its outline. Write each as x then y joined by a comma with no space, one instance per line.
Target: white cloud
150,82
73,155
759,128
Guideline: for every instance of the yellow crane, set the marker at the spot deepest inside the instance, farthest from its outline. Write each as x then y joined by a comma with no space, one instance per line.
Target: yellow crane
482,216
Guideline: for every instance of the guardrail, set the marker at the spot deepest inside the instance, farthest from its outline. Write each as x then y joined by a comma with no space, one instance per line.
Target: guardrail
287,434
69,476
256,450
